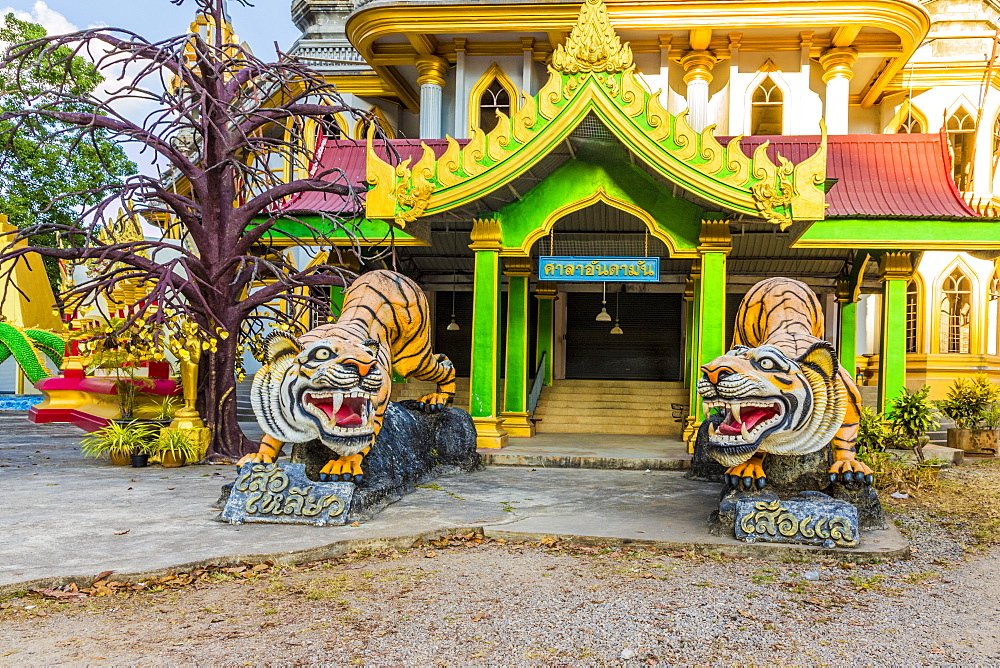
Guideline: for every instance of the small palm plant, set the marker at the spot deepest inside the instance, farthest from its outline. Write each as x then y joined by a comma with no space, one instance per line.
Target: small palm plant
912,415
175,447
119,441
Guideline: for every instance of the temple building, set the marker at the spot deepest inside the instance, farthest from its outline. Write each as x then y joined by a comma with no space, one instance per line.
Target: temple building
588,191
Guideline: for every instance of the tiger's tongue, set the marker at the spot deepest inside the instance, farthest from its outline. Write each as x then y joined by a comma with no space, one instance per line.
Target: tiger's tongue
349,415
750,417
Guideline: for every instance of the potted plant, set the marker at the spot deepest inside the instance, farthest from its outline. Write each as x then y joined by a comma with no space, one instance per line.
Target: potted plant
118,441
162,413
912,415
175,447
972,404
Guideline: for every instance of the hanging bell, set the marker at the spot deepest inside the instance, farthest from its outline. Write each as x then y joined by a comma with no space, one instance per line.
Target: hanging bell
453,326
603,316
616,329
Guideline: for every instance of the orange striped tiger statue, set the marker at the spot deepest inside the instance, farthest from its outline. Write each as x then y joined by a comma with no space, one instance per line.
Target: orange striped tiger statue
781,389
333,382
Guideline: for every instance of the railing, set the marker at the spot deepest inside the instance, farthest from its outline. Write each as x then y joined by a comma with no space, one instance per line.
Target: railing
536,386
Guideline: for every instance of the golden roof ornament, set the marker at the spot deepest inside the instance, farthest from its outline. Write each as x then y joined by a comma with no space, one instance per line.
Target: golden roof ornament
593,45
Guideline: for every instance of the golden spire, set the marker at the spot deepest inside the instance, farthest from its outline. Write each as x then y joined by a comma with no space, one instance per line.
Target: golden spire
593,45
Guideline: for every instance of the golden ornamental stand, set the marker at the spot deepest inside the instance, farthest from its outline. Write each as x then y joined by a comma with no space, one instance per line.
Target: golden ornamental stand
187,347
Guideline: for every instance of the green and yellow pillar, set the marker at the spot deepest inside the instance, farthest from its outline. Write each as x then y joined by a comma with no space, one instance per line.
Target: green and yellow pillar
847,300
894,270
484,381
715,243
545,293
515,395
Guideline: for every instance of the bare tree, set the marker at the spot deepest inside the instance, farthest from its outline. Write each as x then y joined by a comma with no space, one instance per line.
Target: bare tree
221,119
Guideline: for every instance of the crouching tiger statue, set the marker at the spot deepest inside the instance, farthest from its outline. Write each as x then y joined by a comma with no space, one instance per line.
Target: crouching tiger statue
781,389
333,382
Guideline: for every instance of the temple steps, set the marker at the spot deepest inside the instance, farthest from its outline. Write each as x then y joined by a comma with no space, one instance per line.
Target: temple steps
612,407
414,389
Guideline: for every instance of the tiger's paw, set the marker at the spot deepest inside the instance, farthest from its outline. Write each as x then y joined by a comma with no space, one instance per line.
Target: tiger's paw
433,402
345,468
749,475
851,472
256,458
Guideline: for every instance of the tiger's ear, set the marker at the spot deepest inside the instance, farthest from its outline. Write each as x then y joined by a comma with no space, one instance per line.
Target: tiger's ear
822,357
279,344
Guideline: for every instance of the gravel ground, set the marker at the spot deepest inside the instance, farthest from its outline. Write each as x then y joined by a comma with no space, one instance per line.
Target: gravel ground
473,602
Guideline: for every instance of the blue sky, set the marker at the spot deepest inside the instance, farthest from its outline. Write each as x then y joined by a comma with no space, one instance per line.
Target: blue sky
268,21
260,26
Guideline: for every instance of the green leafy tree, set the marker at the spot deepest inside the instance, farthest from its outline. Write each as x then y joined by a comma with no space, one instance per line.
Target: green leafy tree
50,182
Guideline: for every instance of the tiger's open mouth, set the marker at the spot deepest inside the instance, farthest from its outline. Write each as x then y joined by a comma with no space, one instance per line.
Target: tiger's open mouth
744,421
342,413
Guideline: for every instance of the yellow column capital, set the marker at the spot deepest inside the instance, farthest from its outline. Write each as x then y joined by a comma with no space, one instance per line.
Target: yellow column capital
517,266
486,235
698,65
847,292
715,237
838,62
431,70
895,266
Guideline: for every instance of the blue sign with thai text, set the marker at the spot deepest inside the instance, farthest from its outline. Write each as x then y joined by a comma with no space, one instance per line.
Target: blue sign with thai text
615,269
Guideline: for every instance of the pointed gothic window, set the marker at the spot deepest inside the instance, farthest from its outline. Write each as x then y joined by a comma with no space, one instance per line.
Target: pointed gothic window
766,109
329,128
956,314
912,313
495,98
910,123
962,136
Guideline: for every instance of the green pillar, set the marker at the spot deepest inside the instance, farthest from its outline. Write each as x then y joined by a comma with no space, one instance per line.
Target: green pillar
545,293
515,396
895,269
484,378
709,322
712,314
847,339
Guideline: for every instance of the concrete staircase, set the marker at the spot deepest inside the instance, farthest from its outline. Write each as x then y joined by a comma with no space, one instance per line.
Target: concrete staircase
612,407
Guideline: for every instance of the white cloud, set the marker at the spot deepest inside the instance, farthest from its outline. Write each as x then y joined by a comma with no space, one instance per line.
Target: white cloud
53,22
134,109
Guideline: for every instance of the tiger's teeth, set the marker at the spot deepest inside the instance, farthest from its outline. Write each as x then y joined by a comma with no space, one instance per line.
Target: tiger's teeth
338,401
711,429
735,408
743,431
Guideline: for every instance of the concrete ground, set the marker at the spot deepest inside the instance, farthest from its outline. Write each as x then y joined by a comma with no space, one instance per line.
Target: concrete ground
70,518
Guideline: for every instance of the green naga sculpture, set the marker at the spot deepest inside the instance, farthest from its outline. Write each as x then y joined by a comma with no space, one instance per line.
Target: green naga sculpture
27,347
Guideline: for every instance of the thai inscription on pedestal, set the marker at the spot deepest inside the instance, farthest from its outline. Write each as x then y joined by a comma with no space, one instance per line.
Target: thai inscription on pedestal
281,493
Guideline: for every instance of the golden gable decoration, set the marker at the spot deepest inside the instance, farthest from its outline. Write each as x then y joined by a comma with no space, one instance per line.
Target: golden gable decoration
593,45
594,73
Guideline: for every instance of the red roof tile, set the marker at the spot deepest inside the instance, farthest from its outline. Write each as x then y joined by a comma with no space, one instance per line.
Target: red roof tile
886,176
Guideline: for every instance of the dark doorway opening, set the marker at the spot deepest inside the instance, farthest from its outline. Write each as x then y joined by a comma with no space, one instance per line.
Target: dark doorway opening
649,349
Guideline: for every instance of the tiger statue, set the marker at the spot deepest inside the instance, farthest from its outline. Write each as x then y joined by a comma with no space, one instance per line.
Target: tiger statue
333,382
781,389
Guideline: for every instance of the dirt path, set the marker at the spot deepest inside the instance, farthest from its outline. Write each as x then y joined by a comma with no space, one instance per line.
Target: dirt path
471,602
466,601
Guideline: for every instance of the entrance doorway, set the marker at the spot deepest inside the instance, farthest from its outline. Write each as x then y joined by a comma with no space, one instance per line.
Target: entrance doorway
649,349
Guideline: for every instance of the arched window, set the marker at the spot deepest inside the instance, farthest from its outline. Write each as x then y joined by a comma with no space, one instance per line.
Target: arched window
910,123
912,315
495,98
492,93
330,128
996,145
766,109
962,136
363,122
956,313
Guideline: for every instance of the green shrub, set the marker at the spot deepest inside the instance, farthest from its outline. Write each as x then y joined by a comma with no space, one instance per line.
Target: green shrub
970,401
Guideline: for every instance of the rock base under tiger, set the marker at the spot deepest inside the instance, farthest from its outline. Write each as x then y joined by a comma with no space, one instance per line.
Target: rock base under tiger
787,477
412,447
